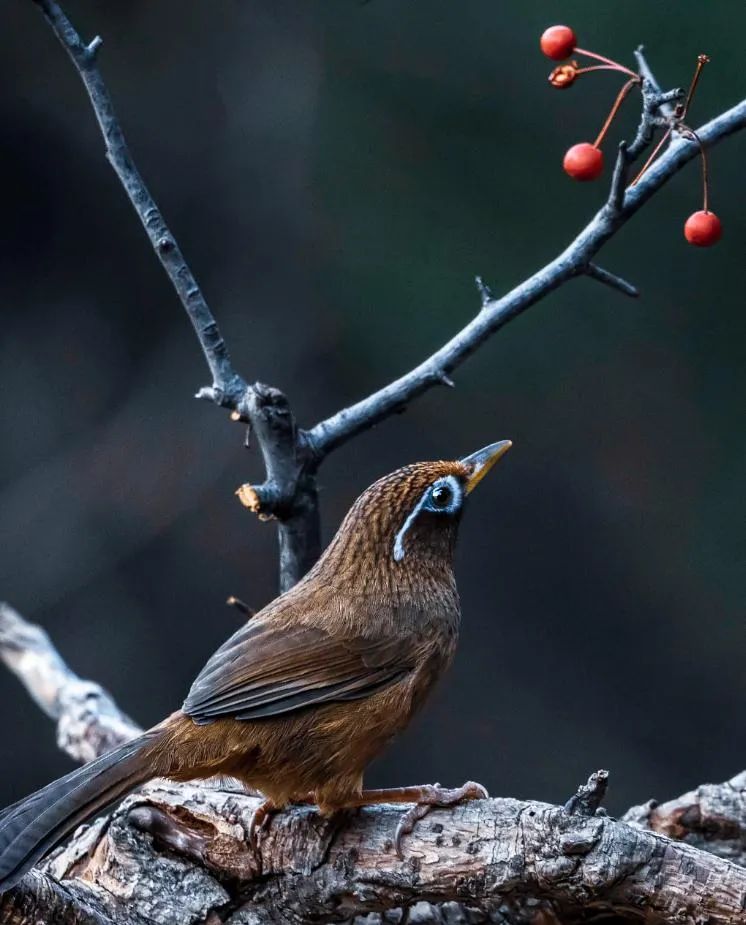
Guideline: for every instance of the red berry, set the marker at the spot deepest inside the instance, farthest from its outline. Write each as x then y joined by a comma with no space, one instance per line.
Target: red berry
558,42
583,162
703,229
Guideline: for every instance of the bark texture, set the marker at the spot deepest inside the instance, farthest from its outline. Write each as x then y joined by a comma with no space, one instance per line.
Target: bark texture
712,817
179,854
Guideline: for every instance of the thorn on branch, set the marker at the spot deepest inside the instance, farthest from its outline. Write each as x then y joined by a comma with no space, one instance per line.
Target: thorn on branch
670,96
645,71
590,796
243,608
618,179
214,393
658,107
484,291
612,280
91,49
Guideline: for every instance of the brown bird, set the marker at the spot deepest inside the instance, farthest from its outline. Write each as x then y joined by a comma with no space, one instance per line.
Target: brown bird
299,701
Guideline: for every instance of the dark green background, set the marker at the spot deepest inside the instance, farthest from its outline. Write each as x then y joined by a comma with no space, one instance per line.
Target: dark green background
337,174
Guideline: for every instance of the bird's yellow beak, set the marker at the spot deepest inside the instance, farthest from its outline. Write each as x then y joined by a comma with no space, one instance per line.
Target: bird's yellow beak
483,460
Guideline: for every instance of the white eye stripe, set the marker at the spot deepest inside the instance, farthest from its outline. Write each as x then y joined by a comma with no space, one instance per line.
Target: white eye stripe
399,541
428,502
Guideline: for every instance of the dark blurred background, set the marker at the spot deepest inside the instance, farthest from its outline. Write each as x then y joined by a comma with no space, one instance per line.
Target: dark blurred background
337,173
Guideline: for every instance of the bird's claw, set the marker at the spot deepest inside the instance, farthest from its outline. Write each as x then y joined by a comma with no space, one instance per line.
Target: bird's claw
260,822
431,796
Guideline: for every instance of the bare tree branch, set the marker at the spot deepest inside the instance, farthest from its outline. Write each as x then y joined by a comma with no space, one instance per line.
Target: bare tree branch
228,386
292,455
534,861
89,723
666,105
289,493
712,817
180,854
571,263
612,280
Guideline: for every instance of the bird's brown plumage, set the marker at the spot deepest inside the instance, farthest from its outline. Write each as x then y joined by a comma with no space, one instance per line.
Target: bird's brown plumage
314,686
311,688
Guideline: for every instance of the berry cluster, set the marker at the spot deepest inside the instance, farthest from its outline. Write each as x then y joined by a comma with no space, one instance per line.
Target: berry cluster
585,161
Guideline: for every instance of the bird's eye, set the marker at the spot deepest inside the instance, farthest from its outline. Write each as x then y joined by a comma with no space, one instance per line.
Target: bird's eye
442,496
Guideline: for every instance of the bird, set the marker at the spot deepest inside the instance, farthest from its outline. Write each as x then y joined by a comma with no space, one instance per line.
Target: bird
311,688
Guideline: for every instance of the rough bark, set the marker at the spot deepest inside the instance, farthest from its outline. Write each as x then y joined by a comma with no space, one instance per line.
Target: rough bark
712,818
89,723
179,854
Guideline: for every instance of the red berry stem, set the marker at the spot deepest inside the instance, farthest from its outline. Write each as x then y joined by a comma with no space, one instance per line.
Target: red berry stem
653,155
566,74
690,133
598,67
701,61
608,61
615,109
680,113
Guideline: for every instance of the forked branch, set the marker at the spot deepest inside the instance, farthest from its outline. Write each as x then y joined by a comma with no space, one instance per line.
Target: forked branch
292,455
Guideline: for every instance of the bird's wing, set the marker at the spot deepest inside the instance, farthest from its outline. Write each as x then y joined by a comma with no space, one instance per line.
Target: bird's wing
266,670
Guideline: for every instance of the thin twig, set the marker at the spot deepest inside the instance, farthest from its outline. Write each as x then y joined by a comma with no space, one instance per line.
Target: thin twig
485,293
612,280
618,179
667,108
292,455
658,108
228,386
288,493
339,428
242,607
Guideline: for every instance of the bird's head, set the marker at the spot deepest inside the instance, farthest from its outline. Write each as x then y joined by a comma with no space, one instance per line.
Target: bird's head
410,518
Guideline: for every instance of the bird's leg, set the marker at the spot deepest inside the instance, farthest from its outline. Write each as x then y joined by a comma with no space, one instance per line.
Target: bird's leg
425,798
260,820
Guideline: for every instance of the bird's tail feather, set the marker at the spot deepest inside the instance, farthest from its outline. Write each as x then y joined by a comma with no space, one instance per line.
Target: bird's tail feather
33,826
